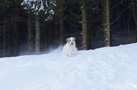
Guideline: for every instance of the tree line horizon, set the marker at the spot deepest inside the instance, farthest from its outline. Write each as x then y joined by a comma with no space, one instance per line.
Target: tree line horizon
33,26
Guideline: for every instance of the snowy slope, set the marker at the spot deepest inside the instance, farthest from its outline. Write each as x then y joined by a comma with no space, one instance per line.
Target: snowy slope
109,68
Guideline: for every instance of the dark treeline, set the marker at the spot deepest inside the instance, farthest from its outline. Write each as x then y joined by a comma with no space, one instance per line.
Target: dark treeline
94,23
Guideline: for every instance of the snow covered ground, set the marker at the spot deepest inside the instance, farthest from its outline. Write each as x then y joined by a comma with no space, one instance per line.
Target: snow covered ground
108,68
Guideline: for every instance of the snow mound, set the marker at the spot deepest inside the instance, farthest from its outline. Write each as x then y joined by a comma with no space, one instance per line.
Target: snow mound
108,68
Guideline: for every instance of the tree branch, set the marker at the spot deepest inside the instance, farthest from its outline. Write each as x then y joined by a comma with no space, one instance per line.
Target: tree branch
120,14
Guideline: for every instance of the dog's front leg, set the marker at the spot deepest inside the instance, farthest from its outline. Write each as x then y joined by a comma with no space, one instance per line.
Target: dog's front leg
74,52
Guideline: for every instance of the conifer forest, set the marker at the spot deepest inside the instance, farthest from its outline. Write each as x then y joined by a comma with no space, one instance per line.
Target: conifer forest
35,26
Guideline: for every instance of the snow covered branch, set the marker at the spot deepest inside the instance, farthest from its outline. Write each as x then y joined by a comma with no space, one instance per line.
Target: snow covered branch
36,6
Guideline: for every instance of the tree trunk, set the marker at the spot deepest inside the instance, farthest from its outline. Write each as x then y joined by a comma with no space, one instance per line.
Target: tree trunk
45,38
37,46
4,34
134,8
106,23
61,20
16,37
84,26
30,42
4,38
9,38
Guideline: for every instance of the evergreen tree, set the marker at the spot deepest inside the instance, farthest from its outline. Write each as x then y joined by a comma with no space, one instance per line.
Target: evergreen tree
106,23
37,7
30,39
84,25
60,4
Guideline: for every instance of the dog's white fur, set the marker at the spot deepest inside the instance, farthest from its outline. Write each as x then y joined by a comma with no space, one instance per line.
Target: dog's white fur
69,48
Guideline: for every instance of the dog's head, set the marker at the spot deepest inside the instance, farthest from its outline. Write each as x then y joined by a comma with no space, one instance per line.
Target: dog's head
71,40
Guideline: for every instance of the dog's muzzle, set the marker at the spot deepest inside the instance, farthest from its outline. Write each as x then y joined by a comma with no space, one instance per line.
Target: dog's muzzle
72,43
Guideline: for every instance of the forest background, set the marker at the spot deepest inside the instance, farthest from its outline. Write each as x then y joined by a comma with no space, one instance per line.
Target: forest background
34,26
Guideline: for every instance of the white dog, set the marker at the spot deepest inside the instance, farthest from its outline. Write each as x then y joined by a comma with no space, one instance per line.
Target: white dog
69,48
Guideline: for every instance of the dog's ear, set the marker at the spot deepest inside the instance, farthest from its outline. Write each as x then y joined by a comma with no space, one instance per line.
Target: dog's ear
74,38
67,40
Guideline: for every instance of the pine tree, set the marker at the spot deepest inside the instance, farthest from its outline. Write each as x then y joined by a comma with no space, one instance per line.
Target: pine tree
16,36
4,33
84,25
30,40
37,45
36,7
60,4
106,23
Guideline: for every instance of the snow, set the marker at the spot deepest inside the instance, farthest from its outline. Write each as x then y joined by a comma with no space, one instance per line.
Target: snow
36,6
108,68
